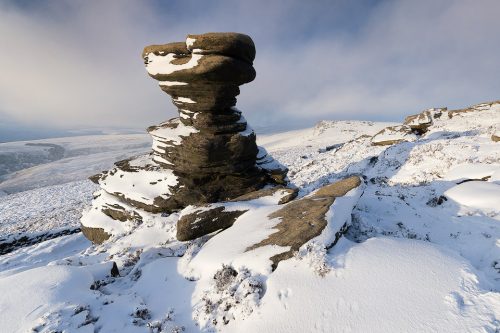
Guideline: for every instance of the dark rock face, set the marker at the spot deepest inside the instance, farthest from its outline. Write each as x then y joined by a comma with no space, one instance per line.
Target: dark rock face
205,221
206,155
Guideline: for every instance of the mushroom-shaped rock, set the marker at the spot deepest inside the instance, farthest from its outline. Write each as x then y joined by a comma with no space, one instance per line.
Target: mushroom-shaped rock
206,155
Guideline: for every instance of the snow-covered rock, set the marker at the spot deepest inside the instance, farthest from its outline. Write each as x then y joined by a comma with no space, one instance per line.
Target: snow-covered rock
393,134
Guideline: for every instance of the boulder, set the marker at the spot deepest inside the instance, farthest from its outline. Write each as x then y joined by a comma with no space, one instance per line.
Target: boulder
95,235
205,220
304,219
197,221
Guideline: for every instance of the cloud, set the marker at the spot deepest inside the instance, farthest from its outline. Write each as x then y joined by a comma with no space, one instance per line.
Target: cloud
76,63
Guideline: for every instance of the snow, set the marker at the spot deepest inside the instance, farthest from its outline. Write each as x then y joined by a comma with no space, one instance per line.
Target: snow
229,247
172,83
247,132
77,159
472,171
172,136
422,253
184,100
424,118
495,176
47,209
381,285
95,218
42,254
190,42
140,185
30,295
325,133
476,194
162,64
339,215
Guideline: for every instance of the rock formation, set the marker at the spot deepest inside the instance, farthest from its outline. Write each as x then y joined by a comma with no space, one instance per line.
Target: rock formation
210,147
410,130
208,154
393,134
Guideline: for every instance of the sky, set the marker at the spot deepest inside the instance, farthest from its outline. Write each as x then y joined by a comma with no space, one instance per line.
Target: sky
74,66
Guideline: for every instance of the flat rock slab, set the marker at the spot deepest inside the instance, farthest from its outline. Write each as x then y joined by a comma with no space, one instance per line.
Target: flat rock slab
304,219
197,221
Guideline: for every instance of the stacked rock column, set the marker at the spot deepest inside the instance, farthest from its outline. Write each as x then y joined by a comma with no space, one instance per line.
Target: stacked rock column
210,147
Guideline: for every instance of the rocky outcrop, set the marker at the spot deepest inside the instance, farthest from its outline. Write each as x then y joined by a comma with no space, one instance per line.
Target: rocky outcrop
208,154
419,123
473,108
412,127
495,136
305,219
393,134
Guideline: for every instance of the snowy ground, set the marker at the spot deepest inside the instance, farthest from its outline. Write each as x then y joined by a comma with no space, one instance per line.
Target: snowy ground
422,255
26,165
48,185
